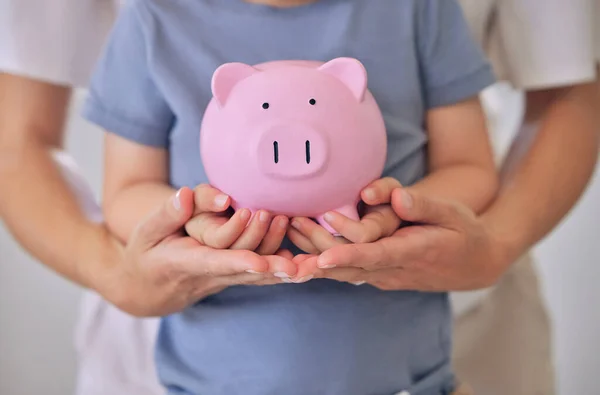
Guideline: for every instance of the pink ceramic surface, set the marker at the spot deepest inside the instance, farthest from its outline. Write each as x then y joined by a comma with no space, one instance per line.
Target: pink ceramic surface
294,138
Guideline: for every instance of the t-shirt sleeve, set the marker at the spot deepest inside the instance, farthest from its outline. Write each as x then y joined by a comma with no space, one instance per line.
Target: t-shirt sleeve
124,98
56,41
537,44
453,66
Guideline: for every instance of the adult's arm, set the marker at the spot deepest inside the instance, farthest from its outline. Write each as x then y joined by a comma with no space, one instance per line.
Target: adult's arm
451,249
553,157
548,167
36,203
158,272
45,48
547,170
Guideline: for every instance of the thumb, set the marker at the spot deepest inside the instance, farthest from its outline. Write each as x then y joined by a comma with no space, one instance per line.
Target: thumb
170,217
414,207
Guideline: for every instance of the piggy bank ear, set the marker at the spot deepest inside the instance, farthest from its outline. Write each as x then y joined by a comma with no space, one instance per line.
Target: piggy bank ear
226,77
351,72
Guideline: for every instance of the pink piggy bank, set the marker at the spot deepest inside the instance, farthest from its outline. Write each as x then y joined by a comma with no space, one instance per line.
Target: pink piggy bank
293,137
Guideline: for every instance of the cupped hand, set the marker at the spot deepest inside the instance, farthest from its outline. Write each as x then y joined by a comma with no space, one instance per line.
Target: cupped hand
447,248
162,270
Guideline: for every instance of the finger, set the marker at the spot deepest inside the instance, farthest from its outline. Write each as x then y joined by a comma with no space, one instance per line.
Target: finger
281,267
307,268
355,231
287,254
379,221
209,199
280,270
166,220
384,218
346,275
406,248
266,281
249,279
254,233
414,207
274,237
302,242
210,262
392,279
203,224
368,256
216,231
318,235
298,259
225,236
380,191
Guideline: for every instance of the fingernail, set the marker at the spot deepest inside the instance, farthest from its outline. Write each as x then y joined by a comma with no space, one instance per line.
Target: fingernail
296,224
221,200
177,200
263,216
252,271
304,279
370,194
359,283
245,214
407,200
328,217
283,223
287,280
327,267
281,275
324,264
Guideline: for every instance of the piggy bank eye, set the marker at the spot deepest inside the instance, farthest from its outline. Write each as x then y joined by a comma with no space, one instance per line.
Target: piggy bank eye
312,102
265,106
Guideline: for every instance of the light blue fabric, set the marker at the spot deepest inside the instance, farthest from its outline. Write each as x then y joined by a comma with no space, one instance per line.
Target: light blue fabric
322,337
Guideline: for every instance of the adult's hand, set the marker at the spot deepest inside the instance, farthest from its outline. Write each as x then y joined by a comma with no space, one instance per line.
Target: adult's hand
447,248
161,270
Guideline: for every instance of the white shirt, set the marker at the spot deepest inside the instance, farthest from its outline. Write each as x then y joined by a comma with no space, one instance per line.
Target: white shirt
536,43
53,40
532,43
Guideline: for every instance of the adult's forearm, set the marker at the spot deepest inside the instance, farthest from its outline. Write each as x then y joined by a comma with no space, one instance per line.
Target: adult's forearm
541,184
36,202
43,214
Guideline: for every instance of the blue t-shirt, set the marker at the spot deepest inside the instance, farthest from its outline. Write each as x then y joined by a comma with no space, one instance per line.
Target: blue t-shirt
321,337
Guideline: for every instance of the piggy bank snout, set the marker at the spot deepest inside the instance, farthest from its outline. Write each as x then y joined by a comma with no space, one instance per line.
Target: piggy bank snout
291,151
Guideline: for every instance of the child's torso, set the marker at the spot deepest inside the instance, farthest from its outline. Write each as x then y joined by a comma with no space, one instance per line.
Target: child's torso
321,337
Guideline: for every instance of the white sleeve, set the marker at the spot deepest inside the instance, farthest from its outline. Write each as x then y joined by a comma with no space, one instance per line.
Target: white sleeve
538,44
53,40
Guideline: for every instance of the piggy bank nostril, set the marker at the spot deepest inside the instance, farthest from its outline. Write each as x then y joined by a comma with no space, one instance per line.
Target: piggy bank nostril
307,152
276,151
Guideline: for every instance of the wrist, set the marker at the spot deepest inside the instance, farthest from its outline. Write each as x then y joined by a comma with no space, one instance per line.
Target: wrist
98,257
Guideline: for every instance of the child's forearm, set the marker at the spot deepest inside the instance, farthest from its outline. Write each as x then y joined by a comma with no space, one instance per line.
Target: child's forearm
471,185
130,205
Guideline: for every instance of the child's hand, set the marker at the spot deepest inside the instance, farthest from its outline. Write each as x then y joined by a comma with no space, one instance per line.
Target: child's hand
262,234
379,221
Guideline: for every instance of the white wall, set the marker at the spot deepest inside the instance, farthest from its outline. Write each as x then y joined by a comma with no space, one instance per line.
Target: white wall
569,262
38,309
